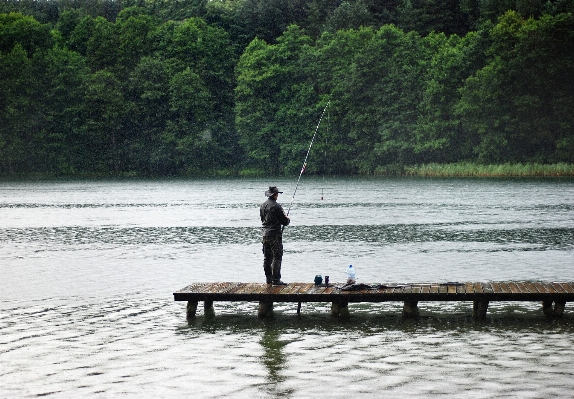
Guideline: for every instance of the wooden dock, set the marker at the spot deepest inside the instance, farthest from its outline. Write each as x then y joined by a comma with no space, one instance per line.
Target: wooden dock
553,295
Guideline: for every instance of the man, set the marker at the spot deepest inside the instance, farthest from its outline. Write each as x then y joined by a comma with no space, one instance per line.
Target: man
273,218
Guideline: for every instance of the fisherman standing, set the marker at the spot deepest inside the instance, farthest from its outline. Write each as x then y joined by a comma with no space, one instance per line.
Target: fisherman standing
273,218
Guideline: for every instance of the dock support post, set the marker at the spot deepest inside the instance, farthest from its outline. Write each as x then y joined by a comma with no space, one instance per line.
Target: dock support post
559,308
340,309
299,308
410,308
191,309
557,311
265,309
480,306
208,308
547,308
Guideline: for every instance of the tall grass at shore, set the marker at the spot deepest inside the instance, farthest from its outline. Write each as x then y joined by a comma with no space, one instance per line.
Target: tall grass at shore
467,169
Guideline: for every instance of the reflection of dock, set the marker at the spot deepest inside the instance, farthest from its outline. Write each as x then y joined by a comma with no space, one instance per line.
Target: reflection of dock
552,295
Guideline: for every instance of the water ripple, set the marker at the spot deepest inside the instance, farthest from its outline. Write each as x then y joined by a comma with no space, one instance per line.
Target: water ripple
432,206
533,238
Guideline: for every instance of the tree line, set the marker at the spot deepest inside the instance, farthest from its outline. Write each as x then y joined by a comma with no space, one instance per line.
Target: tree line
146,87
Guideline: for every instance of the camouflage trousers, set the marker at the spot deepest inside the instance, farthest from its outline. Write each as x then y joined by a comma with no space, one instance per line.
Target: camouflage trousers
272,256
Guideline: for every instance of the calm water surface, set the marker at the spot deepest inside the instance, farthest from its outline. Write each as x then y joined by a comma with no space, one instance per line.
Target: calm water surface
87,272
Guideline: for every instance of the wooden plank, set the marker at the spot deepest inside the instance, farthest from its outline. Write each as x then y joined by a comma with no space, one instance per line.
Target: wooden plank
226,287
237,288
531,287
258,288
329,290
193,288
209,288
291,289
214,288
264,289
477,288
515,290
504,287
316,290
540,287
558,288
285,289
496,288
522,288
549,288
304,288
308,292
243,288
249,288
568,287
389,289
275,290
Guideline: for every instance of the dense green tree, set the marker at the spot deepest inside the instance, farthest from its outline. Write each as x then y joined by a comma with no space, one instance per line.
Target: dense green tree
24,43
518,103
333,73
60,78
66,24
256,106
187,132
274,101
31,35
135,31
400,95
15,113
42,11
148,94
439,136
102,136
103,45
349,16
154,87
77,39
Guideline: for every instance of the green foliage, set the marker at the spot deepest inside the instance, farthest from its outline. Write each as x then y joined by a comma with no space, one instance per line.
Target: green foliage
16,29
517,105
274,101
193,86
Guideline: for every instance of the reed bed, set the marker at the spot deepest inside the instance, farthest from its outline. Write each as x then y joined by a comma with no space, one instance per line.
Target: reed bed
467,169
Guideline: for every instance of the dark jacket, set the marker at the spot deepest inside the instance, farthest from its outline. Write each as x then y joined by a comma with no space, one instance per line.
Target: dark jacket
272,217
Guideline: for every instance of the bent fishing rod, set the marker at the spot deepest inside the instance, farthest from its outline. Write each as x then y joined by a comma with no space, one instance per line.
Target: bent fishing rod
305,161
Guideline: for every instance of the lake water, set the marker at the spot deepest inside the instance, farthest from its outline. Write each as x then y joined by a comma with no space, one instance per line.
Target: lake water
88,268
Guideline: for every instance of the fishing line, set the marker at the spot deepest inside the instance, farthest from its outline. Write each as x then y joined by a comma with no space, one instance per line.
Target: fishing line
305,161
325,153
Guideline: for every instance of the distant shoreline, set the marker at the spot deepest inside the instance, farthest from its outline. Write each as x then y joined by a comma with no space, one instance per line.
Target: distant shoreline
461,169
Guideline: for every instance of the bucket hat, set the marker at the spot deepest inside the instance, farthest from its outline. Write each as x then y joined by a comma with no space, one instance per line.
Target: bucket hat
272,191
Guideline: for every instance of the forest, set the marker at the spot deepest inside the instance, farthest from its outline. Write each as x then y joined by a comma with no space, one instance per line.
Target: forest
237,87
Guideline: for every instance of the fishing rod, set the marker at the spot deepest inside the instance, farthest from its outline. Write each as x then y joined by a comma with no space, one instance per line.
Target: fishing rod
305,161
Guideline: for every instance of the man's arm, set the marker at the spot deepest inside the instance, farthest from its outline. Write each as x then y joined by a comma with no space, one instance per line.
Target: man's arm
283,219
